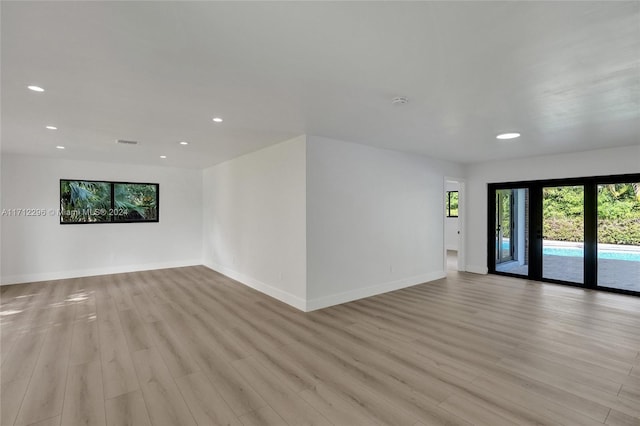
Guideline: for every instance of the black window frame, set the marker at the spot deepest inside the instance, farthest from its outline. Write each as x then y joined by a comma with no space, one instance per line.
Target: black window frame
448,201
112,202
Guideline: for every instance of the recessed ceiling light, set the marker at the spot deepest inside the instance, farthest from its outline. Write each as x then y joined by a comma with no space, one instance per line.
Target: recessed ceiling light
35,88
217,119
508,136
163,156
52,128
184,143
60,147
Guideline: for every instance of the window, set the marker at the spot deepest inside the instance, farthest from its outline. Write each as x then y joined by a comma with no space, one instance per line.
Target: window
452,204
84,201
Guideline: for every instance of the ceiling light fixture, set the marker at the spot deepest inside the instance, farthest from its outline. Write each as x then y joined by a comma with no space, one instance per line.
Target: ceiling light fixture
163,156
508,136
51,128
35,88
184,143
60,147
217,119
399,100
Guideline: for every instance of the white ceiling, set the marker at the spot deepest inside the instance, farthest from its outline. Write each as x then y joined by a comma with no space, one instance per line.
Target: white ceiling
564,74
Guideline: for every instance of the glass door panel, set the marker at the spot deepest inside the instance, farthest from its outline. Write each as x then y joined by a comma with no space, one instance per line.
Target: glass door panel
512,231
619,236
504,243
563,233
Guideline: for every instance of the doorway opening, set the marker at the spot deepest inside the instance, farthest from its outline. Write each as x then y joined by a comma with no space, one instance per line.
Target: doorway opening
454,214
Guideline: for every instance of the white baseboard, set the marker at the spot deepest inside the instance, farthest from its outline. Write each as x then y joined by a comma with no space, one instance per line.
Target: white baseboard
61,275
276,293
477,269
361,293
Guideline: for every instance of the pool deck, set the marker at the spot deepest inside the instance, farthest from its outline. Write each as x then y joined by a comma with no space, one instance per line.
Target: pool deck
620,274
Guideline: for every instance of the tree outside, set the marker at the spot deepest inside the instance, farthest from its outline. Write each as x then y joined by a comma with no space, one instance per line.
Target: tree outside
618,214
91,202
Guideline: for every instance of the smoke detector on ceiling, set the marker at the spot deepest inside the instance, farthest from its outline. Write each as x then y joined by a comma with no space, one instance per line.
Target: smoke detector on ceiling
125,142
399,100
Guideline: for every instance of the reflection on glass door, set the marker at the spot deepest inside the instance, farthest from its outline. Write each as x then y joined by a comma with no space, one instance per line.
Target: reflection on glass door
563,233
512,230
504,244
619,236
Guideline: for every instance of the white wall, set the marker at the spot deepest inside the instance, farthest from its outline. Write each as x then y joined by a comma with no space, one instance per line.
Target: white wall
255,220
451,223
39,248
374,220
588,163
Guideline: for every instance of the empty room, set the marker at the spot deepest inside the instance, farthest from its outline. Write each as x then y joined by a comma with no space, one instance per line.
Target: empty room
320,213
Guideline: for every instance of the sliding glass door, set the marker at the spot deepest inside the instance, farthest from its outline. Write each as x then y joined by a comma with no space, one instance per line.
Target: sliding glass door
511,232
619,235
563,233
579,231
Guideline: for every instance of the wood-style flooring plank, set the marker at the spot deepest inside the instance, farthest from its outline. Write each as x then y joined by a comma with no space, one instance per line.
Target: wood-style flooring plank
85,343
135,330
205,402
337,409
52,421
84,398
616,418
264,416
11,396
238,394
118,374
21,359
293,409
45,395
172,348
520,391
128,409
165,404
474,413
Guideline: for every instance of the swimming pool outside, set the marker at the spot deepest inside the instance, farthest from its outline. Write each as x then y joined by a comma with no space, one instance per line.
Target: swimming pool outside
602,254
618,265
605,251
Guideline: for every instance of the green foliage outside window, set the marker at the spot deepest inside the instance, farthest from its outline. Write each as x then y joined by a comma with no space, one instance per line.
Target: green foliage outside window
139,200
618,213
99,202
452,204
82,201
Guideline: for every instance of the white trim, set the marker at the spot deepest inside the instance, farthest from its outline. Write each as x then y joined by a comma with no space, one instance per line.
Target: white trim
361,293
262,287
60,275
462,217
462,225
477,269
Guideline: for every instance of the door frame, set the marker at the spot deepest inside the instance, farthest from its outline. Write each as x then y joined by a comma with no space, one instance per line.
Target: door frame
500,232
535,188
461,223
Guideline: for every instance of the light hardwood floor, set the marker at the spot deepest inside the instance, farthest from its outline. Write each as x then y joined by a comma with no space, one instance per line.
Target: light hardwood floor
188,346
